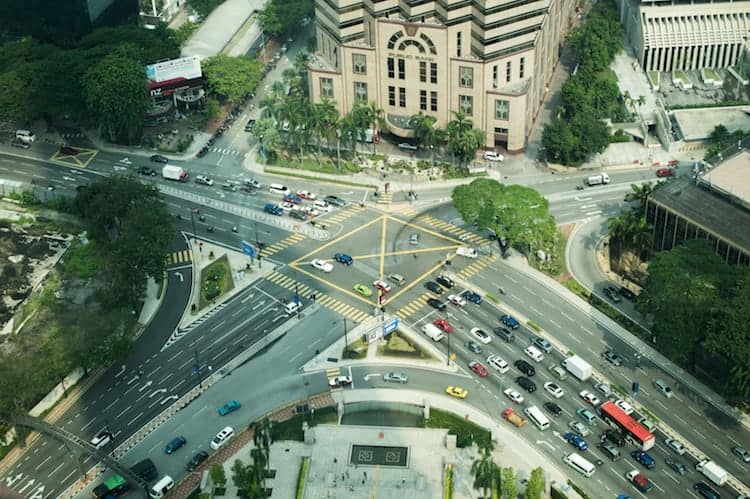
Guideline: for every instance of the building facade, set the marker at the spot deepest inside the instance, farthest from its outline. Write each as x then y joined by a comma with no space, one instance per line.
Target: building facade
686,35
491,59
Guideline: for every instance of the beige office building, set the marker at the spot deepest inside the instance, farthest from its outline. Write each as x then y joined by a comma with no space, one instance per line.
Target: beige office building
490,58
687,35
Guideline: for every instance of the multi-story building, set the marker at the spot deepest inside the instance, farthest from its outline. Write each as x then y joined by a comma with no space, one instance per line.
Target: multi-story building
491,59
684,34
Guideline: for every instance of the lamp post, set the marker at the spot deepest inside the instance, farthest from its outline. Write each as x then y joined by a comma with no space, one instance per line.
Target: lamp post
197,370
346,342
192,221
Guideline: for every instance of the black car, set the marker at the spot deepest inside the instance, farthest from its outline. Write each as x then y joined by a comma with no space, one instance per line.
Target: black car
677,466
435,303
203,151
145,170
504,333
705,491
627,294
473,347
525,367
553,408
196,460
158,158
614,436
445,281
611,293
612,358
298,214
334,201
526,384
434,287
249,126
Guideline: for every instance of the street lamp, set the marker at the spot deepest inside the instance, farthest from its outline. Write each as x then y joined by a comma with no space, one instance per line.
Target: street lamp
197,369
192,221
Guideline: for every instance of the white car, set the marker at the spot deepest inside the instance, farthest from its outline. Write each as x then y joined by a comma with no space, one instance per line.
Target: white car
497,363
286,205
307,195
675,446
456,300
493,156
513,395
322,265
102,439
382,286
626,408
339,381
222,438
589,397
580,428
310,212
604,388
202,179
554,389
480,335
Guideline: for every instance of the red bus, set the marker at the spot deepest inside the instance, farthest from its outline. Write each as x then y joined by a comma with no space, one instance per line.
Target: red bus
630,427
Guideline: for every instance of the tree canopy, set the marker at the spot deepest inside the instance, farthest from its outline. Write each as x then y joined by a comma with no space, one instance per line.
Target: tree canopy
514,213
281,17
230,78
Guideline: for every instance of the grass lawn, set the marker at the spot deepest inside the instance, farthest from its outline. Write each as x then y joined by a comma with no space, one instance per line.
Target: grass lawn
216,281
399,346
466,432
323,165
356,349
291,429
555,267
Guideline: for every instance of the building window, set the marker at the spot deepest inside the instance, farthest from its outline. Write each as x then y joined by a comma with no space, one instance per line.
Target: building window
391,96
433,72
359,62
423,100
401,69
458,44
326,88
433,101
494,76
401,96
465,77
423,71
520,67
391,70
501,131
501,109
507,72
466,104
360,91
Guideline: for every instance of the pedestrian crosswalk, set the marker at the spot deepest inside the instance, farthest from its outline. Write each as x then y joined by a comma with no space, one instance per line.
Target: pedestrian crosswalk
476,266
408,211
306,292
178,257
460,233
413,307
225,151
385,198
283,244
347,212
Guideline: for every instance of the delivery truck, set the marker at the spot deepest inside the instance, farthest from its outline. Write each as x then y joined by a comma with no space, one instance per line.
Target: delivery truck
578,367
513,418
171,172
433,332
713,472
600,179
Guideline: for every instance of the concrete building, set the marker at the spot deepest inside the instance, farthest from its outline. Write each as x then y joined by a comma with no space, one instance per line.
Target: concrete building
687,35
491,59
714,206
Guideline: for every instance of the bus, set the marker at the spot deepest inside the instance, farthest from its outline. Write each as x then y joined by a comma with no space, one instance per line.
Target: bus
113,486
632,430
578,463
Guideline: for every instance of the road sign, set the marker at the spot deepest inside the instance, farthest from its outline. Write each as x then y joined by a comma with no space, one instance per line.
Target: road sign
248,249
390,326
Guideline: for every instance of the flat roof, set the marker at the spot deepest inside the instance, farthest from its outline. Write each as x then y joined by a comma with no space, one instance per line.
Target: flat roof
697,124
732,177
220,27
707,209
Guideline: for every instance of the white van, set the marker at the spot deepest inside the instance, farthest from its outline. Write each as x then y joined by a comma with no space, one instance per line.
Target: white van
537,417
292,307
321,206
278,189
161,487
26,136
467,252
534,353
433,332
222,437
578,463
498,363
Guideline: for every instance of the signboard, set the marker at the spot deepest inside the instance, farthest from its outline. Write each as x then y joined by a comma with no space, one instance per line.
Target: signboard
185,68
248,249
390,326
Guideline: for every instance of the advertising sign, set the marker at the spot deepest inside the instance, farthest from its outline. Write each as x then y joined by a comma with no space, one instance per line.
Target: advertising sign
390,326
184,68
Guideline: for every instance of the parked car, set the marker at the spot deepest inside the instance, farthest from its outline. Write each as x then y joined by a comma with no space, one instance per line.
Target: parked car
493,156
196,460
627,293
435,303
434,287
612,293
445,281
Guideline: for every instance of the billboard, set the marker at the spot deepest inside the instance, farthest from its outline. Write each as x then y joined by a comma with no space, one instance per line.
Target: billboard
182,69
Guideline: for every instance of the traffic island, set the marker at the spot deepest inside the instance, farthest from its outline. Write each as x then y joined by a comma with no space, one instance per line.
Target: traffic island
399,345
216,281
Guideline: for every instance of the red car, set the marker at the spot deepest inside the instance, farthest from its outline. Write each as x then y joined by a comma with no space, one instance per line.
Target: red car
665,172
478,368
443,325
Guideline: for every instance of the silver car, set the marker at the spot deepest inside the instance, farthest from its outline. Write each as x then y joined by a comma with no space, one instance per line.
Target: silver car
396,377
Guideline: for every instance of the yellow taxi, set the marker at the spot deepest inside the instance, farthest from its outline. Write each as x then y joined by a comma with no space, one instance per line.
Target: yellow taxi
457,392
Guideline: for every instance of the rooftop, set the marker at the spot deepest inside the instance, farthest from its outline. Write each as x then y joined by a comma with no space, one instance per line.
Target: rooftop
708,209
697,124
732,177
220,27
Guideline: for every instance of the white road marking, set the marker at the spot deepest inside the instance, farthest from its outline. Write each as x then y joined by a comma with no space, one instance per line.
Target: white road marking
592,213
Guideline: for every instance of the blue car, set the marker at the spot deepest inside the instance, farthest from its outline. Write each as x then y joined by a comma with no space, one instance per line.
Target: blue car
230,406
175,444
472,297
643,458
273,209
343,258
510,321
576,441
292,198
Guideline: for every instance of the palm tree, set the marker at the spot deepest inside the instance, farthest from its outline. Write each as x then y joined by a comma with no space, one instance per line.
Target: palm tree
485,471
323,115
640,193
463,139
373,114
426,133
618,233
641,235
349,132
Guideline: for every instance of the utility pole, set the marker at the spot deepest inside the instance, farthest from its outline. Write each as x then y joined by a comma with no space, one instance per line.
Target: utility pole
192,221
197,369
346,342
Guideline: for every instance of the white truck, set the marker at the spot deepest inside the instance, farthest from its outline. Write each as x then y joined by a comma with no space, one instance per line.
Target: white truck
578,367
600,179
467,252
713,472
433,332
171,172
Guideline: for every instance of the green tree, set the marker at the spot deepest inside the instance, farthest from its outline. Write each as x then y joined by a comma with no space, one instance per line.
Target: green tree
116,96
184,32
640,193
509,484
535,486
218,475
484,471
463,139
281,17
559,142
270,20
204,7
230,78
593,135
268,136
241,476
514,213
373,118
427,134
